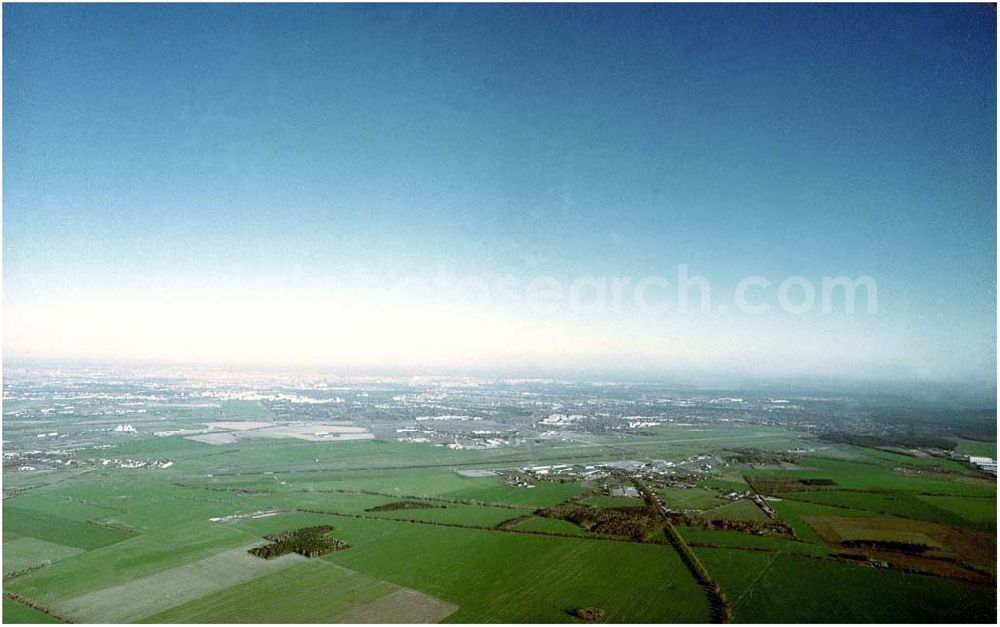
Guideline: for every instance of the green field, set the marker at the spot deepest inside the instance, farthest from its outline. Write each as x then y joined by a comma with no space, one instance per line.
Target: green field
22,553
509,568
763,586
973,447
551,525
171,545
58,530
978,512
874,473
467,515
524,578
691,498
612,501
953,510
743,509
314,592
695,536
140,597
14,613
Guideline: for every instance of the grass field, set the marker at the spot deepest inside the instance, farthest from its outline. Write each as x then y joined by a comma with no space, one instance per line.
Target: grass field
316,591
551,525
874,474
14,614
977,512
612,501
22,553
743,509
972,447
691,498
726,483
167,561
142,597
519,578
473,515
58,530
402,606
949,545
767,587
125,562
731,539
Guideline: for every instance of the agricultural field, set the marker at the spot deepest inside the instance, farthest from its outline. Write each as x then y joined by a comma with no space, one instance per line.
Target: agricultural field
137,599
765,585
611,501
957,510
742,509
975,447
313,592
692,498
524,578
466,515
16,614
550,525
783,523
57,529
23,553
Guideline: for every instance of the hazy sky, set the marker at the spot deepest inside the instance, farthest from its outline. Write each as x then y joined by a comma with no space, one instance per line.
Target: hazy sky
208,183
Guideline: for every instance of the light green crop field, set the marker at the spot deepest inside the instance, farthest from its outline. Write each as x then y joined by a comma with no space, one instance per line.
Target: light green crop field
143,596
22,553
126,561
313,592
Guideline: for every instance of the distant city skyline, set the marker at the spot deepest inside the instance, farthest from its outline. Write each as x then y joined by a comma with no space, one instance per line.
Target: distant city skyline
293,185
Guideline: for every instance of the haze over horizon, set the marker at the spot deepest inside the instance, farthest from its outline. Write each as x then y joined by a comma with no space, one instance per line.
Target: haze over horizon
331,186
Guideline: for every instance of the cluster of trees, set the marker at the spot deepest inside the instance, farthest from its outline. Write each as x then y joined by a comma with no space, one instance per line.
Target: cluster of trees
818,481
779,484
719,606
905,437
895,546
638,522
589,614
743,526
513,522
307,541
759,457
392,507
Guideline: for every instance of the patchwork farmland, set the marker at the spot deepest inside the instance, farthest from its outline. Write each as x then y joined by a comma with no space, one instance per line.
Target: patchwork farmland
688,520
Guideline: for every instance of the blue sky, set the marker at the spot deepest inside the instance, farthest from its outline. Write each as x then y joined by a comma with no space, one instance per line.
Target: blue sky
184,155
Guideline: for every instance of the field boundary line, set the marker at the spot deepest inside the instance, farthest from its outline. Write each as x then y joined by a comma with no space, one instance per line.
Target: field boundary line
494,529
28,603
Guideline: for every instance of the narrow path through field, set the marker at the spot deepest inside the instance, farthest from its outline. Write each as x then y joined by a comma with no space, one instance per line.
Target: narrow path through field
721,611
760,575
